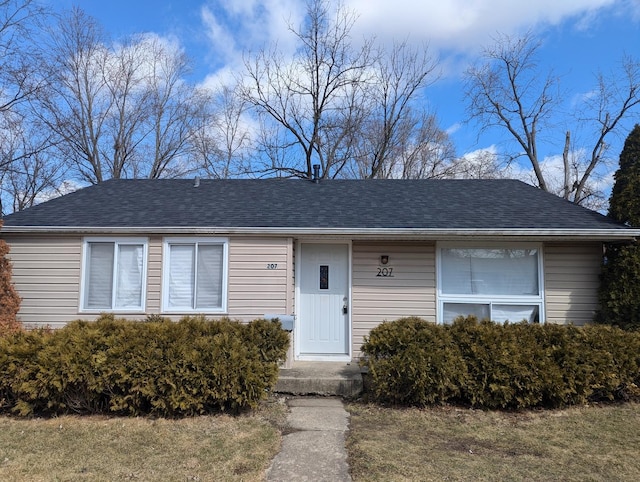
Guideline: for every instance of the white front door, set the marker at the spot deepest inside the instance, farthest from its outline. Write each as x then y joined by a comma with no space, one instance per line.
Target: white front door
324,300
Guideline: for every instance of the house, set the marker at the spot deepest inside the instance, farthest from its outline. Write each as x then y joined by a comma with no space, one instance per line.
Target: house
339,256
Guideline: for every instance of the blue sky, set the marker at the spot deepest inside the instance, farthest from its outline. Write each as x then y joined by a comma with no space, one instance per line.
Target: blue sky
579,38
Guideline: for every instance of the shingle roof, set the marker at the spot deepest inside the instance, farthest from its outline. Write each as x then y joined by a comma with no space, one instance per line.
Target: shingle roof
333,204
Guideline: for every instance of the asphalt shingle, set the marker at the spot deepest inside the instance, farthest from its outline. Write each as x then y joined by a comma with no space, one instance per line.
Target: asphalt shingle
286,203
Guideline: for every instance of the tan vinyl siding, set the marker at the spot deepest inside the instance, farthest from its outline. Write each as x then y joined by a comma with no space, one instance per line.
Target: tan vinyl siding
571,281
154,276
260,277
410,292
46,273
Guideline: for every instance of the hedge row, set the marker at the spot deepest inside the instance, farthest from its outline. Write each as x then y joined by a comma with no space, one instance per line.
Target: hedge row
488,365
126,367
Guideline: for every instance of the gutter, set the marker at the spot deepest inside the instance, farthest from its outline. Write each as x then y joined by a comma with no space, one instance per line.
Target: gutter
615,234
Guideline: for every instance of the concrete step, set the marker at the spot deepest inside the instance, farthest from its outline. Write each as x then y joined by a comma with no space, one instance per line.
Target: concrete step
320,378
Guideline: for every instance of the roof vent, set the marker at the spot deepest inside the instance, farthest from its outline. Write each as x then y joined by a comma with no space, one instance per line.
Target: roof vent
196,182
316,173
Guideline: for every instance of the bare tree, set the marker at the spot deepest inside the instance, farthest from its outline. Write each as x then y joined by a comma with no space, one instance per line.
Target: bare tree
313,99
32,170
34,178
19,79
177,111
396,132
120,109
77,106
426,152
616,96
508,91
224,143
483,164
127,102
356,111
419,150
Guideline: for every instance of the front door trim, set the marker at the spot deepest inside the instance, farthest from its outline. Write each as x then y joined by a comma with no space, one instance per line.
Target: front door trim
298,272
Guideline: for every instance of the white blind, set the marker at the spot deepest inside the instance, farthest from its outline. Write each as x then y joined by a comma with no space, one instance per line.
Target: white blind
490,271
129,276
515,313
181,275
98,292
495,312
209,280
453,310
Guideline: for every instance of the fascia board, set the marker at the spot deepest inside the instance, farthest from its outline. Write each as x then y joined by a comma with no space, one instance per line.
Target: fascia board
620,234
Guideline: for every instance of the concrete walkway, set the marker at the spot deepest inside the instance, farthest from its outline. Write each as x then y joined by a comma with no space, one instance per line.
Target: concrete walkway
314,449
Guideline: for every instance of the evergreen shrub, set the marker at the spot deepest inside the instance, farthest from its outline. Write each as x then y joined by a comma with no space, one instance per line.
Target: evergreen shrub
619,294
9,298
413,362
159,367
489,365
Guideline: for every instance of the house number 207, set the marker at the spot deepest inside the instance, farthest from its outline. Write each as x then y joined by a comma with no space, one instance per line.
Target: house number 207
272,265
385,273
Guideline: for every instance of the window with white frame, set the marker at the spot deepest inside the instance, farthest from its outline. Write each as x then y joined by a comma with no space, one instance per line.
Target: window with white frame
499,282
194,275
114,274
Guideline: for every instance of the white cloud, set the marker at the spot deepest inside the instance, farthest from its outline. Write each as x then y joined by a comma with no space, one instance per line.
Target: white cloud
601,180
452,129
482,153
65,187
580,98
226,76
221,38
454,29
149,51
246,25
463,25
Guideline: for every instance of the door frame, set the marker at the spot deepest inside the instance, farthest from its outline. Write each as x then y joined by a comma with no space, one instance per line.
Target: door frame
298,271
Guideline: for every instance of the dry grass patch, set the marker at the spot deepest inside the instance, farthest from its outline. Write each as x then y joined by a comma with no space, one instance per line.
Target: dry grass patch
578,444
104,449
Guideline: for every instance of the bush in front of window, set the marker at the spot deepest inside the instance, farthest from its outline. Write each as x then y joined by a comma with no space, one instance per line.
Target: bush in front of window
490,365
161,368
502,362
413,362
